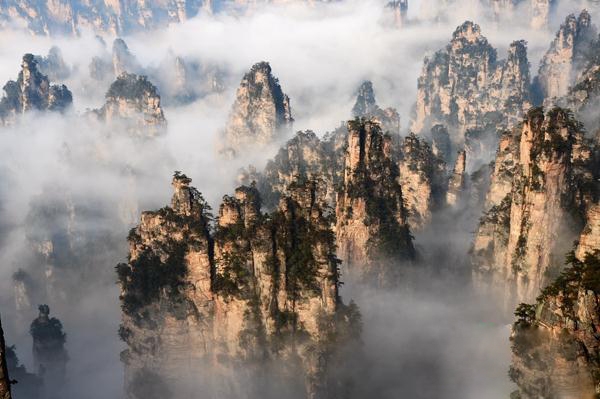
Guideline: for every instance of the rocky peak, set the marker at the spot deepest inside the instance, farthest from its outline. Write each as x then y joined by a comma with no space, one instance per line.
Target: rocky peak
134,101
32,91
366,107
400,10
564,61
543,180
261,113
365,100
372,231
456,184
49,353
441,145
4,378
464,85
422,177
258,290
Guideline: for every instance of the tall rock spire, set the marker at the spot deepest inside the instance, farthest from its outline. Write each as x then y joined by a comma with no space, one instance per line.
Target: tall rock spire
372,231
565,59
462,84
261,114
32,91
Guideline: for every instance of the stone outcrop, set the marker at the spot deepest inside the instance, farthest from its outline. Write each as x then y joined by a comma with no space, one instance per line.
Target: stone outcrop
399,8
4,378
366,107
544,179
104,16
134,102
422,178
261,114
49,353
464,86
555,341
122,59
256,298
32,91
456,184
372,231
540,11
564,61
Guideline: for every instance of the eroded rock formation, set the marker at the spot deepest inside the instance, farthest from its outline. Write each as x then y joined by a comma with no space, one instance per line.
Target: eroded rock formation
251,309
555,341
49,353
543,181
32,91
366,107
564,61
464,85
133,102
261,114
422,177
373,234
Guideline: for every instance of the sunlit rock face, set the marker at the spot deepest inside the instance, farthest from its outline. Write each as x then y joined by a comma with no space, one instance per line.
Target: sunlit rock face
544,179
102,16
366,107
566,58
422,178
49,353
133,102
261,113
222,311
464,85
456,184
555,341
32,91
373,234
5,392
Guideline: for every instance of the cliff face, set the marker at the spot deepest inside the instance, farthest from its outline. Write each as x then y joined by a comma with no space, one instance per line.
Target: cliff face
134,102
49,353
32,91
261,113
464,85
564,61
260,295
4,378
543,180
373,235
422,177
555,341
103,16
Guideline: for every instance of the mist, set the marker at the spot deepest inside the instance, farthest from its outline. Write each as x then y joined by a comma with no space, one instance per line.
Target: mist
431,338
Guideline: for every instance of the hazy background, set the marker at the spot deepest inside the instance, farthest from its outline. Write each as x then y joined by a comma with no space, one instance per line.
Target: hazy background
430,339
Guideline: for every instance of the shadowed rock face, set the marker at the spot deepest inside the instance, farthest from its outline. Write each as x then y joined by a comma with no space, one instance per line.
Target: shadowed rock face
566,58
32,91
261,113
4,378
463,86
373,235
544,180
134,102
258,295
49,353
